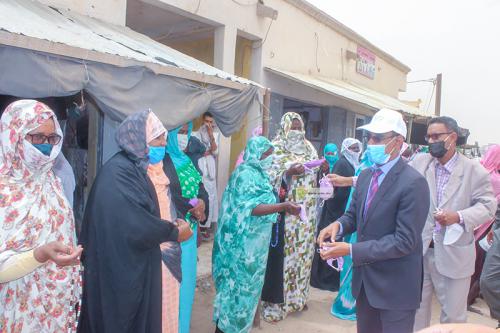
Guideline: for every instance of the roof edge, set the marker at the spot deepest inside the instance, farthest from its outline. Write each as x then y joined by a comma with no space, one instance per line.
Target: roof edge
10,39
336,25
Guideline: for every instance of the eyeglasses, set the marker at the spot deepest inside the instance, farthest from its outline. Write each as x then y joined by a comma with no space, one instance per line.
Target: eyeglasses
52,139
377,138
434,136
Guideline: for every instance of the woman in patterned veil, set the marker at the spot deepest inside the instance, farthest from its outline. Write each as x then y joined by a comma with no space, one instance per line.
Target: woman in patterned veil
286,286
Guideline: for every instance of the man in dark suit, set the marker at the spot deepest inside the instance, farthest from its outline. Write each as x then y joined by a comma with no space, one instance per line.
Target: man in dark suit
388,211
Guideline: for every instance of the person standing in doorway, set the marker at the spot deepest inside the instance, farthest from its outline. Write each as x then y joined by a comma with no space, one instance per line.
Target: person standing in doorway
209,136
461,199
388,211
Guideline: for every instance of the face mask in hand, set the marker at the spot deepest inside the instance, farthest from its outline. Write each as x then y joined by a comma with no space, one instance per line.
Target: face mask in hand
182,140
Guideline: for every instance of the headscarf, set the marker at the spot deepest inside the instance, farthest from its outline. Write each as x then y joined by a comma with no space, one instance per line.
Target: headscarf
154,127
179,158
257,131
299,145
256,146
285,153
491,162
332,160
33,212
190,179
351,156
131,138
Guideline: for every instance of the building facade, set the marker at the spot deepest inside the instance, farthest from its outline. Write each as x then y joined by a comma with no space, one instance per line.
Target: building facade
313,64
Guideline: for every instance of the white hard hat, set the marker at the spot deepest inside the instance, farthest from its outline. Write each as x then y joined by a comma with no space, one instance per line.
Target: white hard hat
384,121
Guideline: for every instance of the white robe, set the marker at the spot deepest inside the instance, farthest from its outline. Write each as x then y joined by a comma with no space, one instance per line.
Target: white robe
208,167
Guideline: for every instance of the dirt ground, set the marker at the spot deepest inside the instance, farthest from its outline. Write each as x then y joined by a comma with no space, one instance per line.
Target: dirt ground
317,319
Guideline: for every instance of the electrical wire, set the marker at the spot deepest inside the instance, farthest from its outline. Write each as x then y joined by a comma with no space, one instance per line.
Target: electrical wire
317,47
427,80
265,38
430,99
197,7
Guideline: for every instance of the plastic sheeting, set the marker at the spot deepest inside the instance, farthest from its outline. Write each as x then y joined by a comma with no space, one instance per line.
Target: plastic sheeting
120,91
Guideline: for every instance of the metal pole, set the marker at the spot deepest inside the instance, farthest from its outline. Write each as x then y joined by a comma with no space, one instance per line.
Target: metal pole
266,113
437,109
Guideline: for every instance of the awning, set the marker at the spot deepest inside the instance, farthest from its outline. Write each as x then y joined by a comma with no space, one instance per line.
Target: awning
351,92
46,51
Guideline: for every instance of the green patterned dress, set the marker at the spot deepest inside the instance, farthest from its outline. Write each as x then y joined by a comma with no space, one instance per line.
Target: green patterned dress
299,237
241,243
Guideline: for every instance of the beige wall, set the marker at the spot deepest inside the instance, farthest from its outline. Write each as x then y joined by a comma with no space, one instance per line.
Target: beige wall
293,40
297,42
202,49
112,11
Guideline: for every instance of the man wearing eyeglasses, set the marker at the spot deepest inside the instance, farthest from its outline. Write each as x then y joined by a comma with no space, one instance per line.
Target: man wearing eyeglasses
388,211
461,199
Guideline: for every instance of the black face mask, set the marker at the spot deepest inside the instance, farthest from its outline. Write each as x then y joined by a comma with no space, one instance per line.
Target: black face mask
437,149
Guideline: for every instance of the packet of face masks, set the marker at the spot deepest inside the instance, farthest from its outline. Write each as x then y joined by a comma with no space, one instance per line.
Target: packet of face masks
313,164
325,189
303,213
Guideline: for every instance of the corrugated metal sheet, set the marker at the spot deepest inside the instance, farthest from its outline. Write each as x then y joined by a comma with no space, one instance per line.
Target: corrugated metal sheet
350,91
32,19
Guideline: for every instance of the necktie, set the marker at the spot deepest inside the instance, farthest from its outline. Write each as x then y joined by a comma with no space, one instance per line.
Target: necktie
372,190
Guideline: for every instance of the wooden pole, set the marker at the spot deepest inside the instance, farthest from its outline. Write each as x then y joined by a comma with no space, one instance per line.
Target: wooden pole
266,113
437,109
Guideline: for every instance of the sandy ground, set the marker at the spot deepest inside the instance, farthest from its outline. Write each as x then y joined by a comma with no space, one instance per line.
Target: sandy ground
317,319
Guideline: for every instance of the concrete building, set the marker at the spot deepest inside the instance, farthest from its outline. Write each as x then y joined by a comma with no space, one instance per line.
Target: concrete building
313,64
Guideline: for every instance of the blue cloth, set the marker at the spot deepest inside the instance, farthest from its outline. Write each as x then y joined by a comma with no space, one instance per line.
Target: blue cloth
344,306
331,159
188,285
179,158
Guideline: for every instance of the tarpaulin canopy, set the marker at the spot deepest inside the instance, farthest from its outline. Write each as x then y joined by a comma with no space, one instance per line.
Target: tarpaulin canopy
46,51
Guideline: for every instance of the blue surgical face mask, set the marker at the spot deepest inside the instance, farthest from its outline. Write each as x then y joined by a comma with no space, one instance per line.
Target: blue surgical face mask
44,148
156,154
182,140
332,159
266,163
377,154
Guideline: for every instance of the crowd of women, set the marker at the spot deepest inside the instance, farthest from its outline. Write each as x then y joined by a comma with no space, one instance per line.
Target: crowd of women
133,267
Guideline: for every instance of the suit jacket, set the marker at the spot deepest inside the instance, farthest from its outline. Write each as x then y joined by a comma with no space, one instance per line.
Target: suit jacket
388,255
469,192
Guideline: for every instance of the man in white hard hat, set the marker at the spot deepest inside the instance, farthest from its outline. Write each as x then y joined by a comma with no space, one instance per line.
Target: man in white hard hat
388,211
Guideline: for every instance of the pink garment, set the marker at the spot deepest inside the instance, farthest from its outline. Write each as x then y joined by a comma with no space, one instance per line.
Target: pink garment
160,182
491,162
170,286
154,127
257,131
169,301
